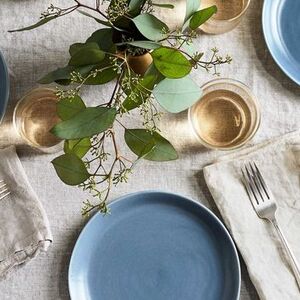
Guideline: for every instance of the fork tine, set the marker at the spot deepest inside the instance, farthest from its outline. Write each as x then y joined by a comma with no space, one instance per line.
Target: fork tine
257,181
262,181
249,190
4,191
252,184
4,194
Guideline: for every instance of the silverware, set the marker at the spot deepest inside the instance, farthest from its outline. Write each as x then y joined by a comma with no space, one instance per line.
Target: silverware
4,191
265,206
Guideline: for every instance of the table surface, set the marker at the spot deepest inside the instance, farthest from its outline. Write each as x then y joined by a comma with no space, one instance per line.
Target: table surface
31,54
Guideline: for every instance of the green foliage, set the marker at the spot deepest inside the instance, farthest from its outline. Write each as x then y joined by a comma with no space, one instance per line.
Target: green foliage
105,23
140,141
69,107
38,24
162,5
64,74
92,157
79,147
86,123
176,95
171,62
86,54
151,27
70,169
145,44
202,16
104,38
191,7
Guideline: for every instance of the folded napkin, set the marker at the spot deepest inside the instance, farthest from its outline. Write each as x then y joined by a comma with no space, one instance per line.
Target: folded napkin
24,227
256,239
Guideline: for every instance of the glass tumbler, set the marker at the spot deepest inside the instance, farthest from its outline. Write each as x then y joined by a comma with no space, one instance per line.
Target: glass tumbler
34,116
227,115
228,16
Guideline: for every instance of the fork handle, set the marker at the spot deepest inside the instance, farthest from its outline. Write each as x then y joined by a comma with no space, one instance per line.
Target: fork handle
292,259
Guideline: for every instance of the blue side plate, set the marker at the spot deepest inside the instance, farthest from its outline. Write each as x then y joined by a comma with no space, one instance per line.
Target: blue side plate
4,87
154,246
281,26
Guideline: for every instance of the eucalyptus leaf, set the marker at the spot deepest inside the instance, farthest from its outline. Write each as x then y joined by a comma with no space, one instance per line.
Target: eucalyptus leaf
104,38
38,24
151,27
106,75
70,169
191,7
79,147
87,56
69,107
74,48
86,123
140,141
105,23
162,5
202,16
176,95
171,62
145,44
64,74
135,7
135,98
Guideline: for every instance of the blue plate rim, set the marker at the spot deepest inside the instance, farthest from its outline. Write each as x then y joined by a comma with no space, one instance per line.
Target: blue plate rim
267,38
6,96
123,198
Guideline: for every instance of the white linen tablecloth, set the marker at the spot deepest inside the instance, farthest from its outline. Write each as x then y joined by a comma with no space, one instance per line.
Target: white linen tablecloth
31,54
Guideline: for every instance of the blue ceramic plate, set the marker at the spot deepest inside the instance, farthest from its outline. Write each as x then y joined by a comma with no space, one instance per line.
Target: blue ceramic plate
154,246
281,26
4,87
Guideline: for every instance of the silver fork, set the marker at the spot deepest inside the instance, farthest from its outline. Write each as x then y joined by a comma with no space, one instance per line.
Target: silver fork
265,206
4,191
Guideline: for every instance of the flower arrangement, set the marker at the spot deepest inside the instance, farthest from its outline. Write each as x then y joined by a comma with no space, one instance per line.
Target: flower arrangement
149,64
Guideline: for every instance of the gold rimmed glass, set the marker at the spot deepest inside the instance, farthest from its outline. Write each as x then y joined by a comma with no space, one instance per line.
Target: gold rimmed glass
228,16
227,116
34,116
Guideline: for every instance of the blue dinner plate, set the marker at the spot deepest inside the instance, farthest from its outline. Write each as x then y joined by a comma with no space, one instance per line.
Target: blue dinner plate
281,26
154,246
4,87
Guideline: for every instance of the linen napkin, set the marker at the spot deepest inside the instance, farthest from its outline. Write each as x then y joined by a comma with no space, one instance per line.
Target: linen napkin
24,227
256,239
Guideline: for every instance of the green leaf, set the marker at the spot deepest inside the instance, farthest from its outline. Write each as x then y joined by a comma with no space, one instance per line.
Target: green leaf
176,95
38,24
141,140
74,48
170,6
79,147
87,55
202,16
191,7
145,44
64,74
135,98
171,62
105,23
151,27
69,107
135,6
106,75
70,169
86,123
104,38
